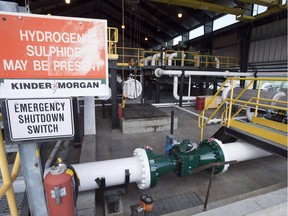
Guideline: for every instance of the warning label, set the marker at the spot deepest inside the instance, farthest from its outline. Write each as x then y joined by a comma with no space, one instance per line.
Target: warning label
54,53
39,118
51,47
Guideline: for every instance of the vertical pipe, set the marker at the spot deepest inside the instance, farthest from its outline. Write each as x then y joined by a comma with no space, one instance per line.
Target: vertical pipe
189,86
142,81
181,88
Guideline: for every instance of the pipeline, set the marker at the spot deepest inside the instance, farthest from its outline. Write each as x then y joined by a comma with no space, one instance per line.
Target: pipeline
146,167
160,72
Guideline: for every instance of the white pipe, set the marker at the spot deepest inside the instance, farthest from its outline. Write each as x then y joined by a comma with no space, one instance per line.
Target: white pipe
189,87
175,91
154,58
160,72
240,151
114,171
168,105
147,60
249,114
170,58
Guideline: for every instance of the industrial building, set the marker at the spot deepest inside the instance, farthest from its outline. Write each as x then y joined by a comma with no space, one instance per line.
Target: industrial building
143,107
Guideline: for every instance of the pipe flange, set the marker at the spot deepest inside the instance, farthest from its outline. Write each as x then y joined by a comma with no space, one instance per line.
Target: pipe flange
222,156
145,181
217,150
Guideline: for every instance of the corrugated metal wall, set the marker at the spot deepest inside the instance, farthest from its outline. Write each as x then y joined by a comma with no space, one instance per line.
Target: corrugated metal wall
227,45
268,43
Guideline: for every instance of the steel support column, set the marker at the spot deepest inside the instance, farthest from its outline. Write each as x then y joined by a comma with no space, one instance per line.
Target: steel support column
32,172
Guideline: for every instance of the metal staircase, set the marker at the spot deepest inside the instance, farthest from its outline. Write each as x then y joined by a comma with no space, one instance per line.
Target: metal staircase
263,132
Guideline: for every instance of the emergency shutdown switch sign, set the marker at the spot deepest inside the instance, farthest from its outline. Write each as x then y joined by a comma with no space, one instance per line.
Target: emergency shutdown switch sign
32,119
48,56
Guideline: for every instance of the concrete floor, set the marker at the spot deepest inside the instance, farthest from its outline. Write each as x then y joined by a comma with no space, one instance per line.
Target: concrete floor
239,179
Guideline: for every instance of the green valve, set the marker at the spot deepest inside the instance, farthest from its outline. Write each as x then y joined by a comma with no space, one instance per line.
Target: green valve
160,165
184,158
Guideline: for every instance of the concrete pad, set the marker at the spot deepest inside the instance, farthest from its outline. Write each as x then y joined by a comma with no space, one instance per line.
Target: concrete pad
273,203
145,118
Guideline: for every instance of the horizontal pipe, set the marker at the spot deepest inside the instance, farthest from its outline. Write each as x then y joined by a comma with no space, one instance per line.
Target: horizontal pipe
160,72
114,171
168,105
240,151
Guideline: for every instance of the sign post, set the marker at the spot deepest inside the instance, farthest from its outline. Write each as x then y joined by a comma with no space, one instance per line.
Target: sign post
33,175
42,60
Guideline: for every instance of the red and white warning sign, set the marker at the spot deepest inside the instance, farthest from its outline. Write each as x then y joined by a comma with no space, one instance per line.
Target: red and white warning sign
59,50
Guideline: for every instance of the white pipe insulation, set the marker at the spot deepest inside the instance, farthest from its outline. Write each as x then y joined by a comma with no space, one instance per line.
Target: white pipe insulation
114,171
170,58
175,91
160,72
139,168
154,58
240,151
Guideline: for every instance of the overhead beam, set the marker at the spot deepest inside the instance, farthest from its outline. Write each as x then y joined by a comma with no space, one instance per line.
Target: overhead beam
203,6
268,12
268,3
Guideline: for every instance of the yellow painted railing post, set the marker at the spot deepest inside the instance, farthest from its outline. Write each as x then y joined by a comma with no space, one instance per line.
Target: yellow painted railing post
7,182
257,99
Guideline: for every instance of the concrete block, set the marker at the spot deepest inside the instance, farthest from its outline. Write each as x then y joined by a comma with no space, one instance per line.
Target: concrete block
147,125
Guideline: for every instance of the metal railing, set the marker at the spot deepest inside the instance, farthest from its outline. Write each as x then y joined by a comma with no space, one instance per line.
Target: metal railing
112,42
229,102
130,56
140,57
8,179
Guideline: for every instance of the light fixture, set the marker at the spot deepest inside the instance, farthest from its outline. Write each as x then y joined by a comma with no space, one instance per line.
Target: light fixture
179,15
67,1
123,26
146,38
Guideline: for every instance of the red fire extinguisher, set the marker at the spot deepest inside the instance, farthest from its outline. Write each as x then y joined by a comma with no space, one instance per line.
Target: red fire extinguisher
60,188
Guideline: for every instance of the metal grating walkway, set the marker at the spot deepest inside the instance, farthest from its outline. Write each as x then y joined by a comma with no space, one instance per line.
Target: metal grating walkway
171,204
4,208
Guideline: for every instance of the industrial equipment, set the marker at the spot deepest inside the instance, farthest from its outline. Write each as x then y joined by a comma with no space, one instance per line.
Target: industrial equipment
146,167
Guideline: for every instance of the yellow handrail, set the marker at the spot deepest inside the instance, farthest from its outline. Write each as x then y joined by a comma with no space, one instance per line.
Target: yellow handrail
112,42
226,115
7,187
